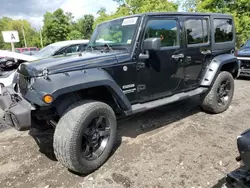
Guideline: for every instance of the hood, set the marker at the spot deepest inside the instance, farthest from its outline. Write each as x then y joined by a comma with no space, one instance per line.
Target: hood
60,64
244,52
5,53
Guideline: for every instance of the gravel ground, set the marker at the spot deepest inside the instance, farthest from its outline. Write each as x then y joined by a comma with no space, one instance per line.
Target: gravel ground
173,146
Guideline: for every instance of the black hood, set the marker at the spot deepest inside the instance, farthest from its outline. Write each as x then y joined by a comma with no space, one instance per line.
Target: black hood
244,52
70,63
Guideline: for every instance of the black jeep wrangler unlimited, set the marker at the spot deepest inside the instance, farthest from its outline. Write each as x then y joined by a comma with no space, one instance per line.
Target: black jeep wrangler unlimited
132,64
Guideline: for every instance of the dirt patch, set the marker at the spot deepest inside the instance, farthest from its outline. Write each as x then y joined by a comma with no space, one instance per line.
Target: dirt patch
173,146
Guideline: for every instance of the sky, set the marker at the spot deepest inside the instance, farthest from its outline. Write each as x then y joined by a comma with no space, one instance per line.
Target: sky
33,10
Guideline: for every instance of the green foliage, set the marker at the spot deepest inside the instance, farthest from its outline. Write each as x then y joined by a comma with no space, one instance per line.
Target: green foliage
135,7
74,35
56,26
240,9
59,26
32,36
85,26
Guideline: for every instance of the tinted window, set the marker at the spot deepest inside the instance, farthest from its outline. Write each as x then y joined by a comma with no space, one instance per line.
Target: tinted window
196,31
72,49
26,52
69,50
33,49
247,44
223,30
164,29
47,51
82,47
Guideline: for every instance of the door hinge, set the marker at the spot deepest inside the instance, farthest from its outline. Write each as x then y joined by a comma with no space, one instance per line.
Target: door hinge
140,65
141,87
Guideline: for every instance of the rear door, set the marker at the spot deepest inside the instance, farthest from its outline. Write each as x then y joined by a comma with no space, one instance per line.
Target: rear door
198,49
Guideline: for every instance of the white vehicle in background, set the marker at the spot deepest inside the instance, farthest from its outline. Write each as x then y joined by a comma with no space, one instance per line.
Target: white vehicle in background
11,60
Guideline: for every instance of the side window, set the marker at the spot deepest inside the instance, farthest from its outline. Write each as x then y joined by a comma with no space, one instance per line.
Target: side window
68,50
197,31
164,29
223,30
82,47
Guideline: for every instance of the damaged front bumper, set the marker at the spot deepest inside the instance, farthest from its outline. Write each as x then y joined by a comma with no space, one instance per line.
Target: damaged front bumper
17,111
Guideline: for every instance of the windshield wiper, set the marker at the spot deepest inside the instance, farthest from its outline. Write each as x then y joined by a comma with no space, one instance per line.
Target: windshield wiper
107,48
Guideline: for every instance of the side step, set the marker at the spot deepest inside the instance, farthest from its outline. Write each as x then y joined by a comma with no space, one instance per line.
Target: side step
164,101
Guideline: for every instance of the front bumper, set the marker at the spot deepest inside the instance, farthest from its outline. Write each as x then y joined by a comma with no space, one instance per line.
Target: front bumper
244,72
17,111
244,66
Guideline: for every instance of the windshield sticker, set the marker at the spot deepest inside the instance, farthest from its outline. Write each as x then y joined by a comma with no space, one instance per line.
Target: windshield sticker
129,41
129,21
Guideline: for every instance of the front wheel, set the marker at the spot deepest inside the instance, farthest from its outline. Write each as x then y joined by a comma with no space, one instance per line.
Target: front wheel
220,96
84,136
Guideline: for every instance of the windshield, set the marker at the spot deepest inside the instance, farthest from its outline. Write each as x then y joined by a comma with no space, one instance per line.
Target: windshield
248,44
115,33
47,51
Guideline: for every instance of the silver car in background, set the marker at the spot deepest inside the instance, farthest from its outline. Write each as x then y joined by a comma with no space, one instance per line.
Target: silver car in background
7,77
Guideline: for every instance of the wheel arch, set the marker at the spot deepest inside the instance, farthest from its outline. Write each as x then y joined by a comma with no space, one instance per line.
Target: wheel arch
107,96
76,82
225,62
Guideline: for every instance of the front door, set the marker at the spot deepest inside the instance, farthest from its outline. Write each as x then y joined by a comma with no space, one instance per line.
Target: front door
161,74
198,49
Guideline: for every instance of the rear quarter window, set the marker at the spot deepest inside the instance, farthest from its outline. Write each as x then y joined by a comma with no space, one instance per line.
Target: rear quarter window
223,30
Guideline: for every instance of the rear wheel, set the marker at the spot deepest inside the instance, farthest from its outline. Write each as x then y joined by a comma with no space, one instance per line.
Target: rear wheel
84,136
219,98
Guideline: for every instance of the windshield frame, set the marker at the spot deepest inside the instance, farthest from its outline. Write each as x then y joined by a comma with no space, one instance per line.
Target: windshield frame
129,47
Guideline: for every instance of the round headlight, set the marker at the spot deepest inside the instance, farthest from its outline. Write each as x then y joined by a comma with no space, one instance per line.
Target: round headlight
9,63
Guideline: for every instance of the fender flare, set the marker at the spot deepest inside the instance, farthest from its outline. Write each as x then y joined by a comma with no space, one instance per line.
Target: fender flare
63,83
215,66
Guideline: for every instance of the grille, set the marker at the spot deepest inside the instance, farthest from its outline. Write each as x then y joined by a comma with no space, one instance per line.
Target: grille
23,83
245,64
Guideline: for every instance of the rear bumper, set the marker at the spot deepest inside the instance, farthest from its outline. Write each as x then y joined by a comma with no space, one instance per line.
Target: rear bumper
17,111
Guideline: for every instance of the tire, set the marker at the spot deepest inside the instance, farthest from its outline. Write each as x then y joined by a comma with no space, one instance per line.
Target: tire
211,101
70,136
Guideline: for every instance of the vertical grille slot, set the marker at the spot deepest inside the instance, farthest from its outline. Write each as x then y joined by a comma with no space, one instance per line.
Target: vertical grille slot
23,83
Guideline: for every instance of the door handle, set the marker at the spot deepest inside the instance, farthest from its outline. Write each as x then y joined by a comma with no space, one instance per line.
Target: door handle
206,52
178,56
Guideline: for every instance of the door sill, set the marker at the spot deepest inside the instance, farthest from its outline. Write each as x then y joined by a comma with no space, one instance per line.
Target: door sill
137,108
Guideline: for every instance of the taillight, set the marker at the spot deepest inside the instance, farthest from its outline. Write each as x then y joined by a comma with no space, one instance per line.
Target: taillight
235,53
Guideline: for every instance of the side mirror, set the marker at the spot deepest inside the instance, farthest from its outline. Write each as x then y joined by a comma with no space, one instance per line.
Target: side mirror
152,44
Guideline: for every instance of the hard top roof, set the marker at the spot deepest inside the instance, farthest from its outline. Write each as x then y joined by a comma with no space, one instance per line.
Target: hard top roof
176,14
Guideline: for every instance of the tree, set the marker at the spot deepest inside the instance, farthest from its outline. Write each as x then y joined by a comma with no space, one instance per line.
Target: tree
56,26
135,7
32,36
74,35
85,25
188,5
